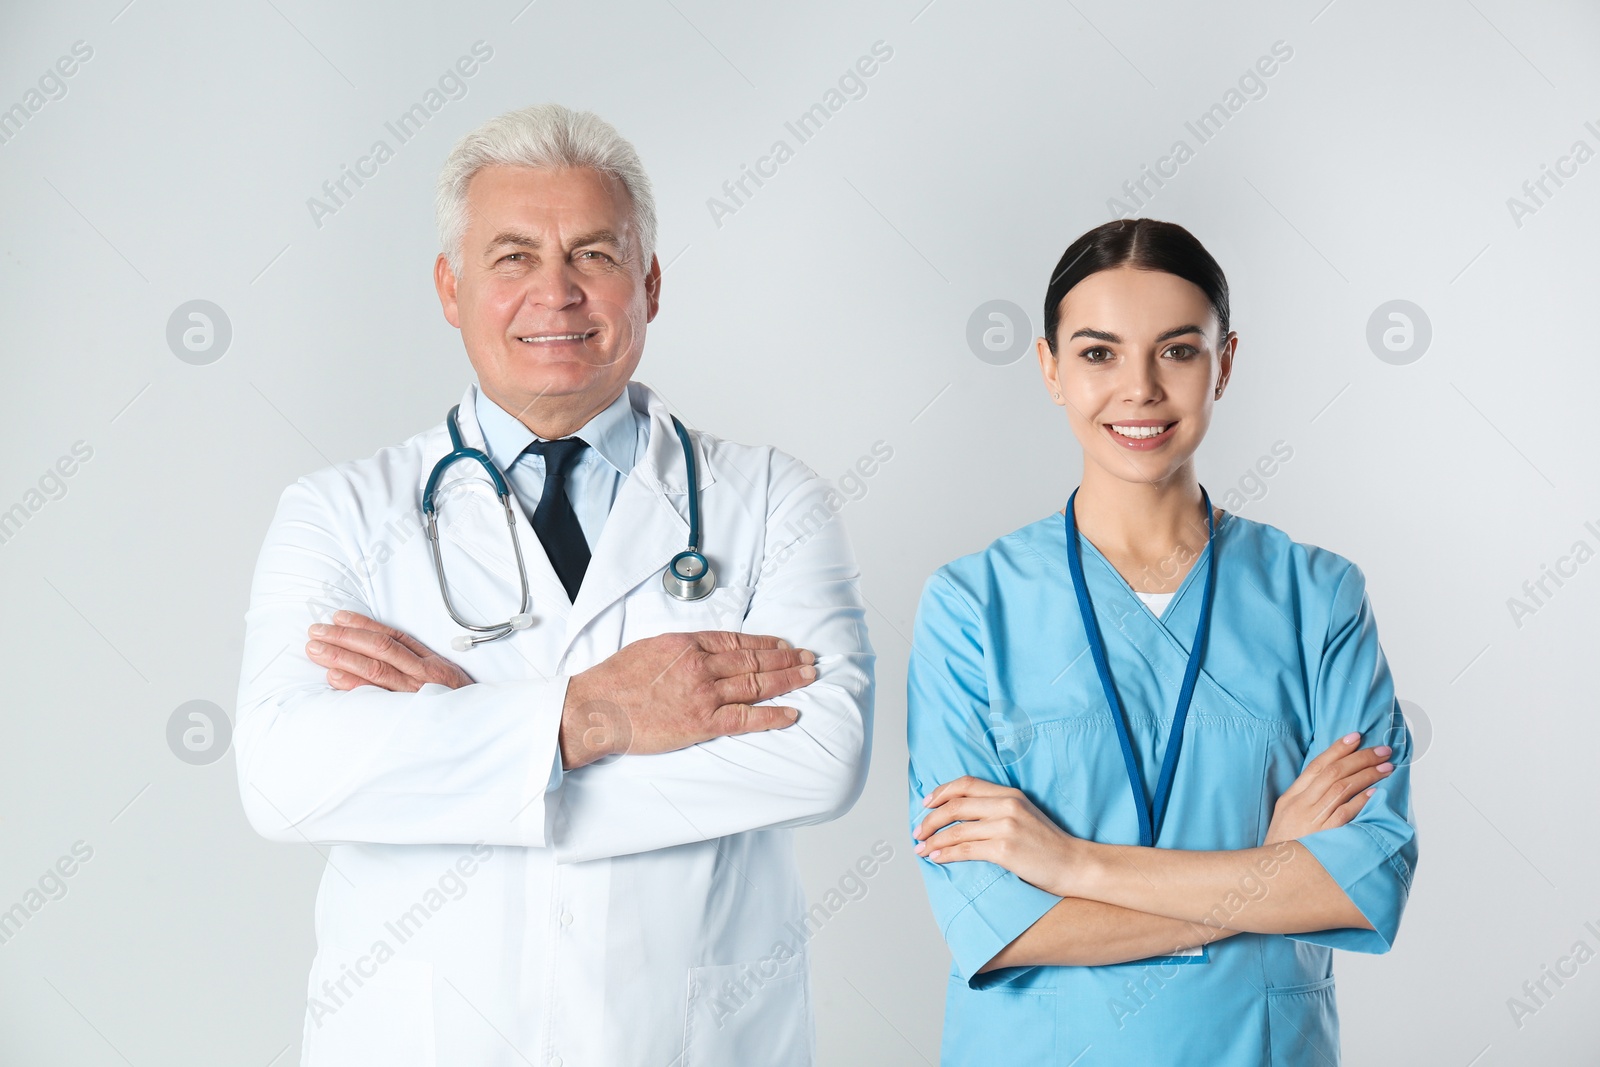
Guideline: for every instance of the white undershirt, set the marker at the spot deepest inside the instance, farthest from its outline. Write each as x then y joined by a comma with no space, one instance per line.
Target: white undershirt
1157,602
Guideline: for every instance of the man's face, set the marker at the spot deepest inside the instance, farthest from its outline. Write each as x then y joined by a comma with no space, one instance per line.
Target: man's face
552,300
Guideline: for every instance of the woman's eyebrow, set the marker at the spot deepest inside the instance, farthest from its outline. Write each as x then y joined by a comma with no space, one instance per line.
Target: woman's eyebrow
1106,335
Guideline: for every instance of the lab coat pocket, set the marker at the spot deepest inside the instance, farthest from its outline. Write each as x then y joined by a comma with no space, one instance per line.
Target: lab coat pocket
979,1023
387,1019
1304,1025
747,1013
651,611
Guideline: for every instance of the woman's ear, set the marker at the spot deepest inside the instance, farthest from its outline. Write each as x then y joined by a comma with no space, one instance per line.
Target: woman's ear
1225,362
1048,367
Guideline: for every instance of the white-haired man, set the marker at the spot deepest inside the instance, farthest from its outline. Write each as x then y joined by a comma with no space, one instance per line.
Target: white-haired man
570,843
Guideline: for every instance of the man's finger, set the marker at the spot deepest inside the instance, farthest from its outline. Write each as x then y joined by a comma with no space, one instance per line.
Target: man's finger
374,644
378,673
750,718
756,660
344,681
356,620
754,688
731,640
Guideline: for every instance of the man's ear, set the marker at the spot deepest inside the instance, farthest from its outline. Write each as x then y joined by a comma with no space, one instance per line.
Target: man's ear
652,288
444,282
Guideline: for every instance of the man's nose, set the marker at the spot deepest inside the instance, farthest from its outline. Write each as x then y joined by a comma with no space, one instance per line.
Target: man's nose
554,286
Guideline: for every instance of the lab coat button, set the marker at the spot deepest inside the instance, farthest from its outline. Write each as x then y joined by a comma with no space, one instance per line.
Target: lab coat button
566,918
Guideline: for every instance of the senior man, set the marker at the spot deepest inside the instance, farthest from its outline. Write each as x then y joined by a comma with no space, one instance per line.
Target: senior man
571,844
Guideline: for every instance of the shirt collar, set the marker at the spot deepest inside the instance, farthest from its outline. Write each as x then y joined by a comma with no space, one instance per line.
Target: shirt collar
612,433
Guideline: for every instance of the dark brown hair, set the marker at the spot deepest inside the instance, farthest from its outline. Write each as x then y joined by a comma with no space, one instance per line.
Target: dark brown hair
1144,244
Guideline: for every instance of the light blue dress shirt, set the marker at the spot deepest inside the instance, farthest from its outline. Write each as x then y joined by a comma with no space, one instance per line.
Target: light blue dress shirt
616,437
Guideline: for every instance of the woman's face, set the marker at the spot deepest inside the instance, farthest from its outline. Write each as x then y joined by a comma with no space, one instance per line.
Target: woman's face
1138,366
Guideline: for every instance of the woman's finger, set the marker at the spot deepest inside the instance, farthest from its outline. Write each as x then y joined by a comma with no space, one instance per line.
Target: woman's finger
966,809
1350,808
1337,793
965,850
966,786
952,835
952,810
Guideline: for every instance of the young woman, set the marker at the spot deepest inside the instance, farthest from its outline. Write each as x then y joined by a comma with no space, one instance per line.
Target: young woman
1138,785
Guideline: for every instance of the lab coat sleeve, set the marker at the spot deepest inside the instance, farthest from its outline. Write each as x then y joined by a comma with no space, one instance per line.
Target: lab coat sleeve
980,906
807,592
1374,856
439,766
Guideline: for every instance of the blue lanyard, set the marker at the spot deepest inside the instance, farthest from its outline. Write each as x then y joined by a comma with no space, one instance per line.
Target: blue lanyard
1149,820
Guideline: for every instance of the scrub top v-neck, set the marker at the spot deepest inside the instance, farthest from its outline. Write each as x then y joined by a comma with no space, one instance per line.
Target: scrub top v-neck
1001,685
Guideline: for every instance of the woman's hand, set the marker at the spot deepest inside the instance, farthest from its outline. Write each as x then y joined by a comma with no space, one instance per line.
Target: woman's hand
358,651
1330,791
977,820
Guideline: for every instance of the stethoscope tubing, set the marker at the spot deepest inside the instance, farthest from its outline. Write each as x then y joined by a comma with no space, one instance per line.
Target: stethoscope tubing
695,583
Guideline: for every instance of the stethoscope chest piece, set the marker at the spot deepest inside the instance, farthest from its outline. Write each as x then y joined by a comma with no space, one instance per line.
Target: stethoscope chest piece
689,576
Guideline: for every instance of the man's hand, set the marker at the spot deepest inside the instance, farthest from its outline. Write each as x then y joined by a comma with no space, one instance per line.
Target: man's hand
655,695
358,651
1330,791
671,691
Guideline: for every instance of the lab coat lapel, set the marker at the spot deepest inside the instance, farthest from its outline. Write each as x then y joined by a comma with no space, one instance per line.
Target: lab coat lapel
648,523
472,519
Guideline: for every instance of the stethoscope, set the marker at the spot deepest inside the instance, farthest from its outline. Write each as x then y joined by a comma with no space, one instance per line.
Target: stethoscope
688,576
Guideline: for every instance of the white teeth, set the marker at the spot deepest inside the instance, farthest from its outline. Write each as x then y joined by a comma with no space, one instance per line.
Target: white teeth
1139,433
554,337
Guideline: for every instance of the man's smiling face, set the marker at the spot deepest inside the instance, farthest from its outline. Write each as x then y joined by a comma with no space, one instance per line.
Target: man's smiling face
552,299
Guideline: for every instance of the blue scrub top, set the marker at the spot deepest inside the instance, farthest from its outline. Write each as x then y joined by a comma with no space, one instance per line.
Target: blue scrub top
1001,686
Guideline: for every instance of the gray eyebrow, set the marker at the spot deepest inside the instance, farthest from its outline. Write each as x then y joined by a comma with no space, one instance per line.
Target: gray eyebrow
517,237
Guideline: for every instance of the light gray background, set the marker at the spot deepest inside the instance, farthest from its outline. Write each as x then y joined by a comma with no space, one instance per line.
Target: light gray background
828,313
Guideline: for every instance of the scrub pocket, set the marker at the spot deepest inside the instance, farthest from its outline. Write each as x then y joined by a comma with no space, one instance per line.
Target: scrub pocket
1000,1024
387,1020
1303,1024
757,1013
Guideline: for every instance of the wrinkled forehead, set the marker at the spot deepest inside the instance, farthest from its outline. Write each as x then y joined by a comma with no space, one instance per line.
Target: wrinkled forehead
550,204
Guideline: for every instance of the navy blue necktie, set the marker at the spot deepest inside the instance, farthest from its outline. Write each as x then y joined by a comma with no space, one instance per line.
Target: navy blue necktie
554,520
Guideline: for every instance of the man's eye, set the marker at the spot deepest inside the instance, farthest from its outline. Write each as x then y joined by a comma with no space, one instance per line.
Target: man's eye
593,252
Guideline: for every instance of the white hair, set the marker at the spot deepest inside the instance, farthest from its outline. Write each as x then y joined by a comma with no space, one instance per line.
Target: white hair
546,136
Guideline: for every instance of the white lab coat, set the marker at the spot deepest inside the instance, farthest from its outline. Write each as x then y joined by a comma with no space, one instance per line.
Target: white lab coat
648,910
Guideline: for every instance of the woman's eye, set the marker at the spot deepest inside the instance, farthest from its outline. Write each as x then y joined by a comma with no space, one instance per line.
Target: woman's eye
1182,352
1096,355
